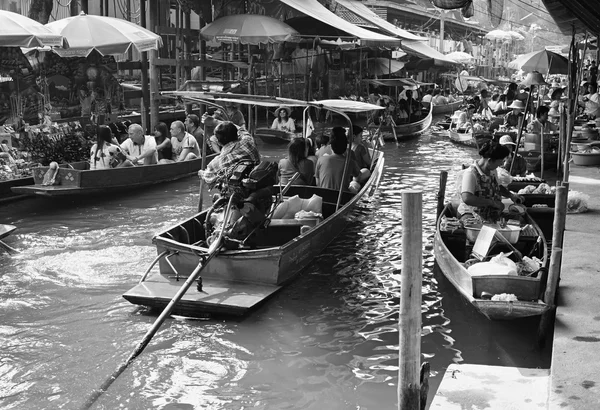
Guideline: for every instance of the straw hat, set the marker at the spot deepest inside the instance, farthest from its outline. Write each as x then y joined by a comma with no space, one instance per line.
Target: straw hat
506,140
517,104
286,109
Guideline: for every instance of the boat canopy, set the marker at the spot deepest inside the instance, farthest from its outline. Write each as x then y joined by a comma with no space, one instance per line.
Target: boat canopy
477,79
364,12
317,11
396,82
422,50
268,101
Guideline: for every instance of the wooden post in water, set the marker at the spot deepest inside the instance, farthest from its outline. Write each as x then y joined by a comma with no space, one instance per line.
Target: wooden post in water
153,71
441,193
558,228
410,301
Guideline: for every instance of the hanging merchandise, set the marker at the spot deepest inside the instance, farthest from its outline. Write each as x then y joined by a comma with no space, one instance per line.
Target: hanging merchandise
495,9
468,10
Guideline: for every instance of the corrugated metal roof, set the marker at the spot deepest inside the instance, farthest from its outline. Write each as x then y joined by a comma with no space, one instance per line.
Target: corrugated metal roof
581,15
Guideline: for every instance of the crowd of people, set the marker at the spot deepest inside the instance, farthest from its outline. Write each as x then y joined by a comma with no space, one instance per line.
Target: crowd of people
319,161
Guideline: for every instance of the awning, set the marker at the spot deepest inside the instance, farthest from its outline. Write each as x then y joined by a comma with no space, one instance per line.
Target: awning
317,11
395,82
422,50
581,15
366,13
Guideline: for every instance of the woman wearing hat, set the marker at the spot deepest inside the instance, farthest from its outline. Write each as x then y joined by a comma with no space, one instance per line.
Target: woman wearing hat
283,122
519,169
512,118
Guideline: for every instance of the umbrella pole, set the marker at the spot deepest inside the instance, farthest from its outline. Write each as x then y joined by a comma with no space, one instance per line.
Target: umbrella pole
522,125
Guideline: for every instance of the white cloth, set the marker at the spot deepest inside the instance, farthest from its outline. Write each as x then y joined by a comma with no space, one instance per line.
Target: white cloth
137,150
427,98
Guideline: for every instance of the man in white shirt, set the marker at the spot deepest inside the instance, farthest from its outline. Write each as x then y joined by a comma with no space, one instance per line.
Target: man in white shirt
139,149
427,97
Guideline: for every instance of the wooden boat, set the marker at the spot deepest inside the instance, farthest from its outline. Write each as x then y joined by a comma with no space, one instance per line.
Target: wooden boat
469,139
405,131
271,136
451,251
443,108
78,179
6,193
235,281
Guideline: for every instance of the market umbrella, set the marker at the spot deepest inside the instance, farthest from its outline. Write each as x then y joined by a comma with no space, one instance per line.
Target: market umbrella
543,61
498,35
382,66
516,36
106,35
21,31
248,29
460,57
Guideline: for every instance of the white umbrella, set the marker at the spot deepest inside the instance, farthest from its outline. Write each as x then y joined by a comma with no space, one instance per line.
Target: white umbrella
20,31
106,35
461,57
516,36
498,35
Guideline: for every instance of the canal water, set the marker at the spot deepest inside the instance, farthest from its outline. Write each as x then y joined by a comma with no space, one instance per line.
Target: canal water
327,341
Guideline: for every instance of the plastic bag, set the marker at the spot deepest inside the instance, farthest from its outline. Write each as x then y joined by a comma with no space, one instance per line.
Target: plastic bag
504,177
505,297
289,208
498,265
502,259
577,202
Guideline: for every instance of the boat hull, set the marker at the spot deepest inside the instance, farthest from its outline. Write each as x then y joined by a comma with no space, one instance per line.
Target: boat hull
444,108
271,136
79,181
469,139
268,268
405,131
471,287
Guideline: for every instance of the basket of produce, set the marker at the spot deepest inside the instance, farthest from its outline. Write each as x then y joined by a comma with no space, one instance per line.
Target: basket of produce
587,157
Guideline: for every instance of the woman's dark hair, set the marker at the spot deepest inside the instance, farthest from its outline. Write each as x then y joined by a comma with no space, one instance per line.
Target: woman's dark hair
103,136
226,132
484,93
322,139
311,147
493,150
513,86
163,129
542,109
338,140
436,92
357,129
296,151
502,98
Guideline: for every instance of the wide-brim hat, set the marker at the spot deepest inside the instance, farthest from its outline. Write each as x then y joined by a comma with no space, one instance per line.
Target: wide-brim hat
286,109
556,92
517,104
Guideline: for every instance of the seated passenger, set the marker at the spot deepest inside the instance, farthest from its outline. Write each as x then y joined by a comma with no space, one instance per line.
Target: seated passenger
428,96
330,168
185,146
519,169
438,98
361,152
230,113
414,107
323,147
103,152
310,151
541,125
283,122
402,113
192,125
236,146
139,149
513,118
297,161
163,141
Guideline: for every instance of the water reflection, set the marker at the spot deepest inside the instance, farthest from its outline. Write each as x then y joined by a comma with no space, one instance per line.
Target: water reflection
328,340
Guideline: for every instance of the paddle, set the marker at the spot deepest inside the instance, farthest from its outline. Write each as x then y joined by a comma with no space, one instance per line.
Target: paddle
8,248
213,250
394,130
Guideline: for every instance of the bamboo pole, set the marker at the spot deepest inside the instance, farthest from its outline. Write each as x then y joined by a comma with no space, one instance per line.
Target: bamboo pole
521,126
558,228
410,301
145,103
154,71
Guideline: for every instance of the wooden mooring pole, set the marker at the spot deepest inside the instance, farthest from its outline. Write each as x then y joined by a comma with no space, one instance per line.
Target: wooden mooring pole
409,381
560,218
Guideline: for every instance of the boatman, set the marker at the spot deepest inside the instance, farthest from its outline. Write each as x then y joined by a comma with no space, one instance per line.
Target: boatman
236,146
139,149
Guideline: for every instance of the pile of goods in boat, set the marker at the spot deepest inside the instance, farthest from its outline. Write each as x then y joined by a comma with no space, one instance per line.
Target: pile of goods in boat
542,188
501,264
531,178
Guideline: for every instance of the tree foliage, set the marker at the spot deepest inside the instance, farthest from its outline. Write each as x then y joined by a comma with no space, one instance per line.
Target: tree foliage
40,10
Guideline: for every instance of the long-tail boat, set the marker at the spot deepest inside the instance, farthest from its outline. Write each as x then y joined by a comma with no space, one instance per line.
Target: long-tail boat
235,281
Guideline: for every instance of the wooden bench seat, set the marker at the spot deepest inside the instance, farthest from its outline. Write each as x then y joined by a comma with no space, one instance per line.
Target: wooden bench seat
294,222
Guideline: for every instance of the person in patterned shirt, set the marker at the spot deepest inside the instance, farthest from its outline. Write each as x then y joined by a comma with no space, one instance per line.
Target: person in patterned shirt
237,146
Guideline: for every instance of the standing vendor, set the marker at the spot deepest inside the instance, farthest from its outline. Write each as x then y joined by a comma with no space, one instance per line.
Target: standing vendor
480,193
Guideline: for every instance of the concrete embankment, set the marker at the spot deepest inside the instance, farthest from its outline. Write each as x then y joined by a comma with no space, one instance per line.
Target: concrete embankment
575,369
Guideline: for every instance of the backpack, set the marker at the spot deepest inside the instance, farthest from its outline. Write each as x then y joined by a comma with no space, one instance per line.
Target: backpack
262,176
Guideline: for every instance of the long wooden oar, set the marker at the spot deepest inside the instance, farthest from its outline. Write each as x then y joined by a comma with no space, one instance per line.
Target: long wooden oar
394,130
212,252
8,248
203,166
